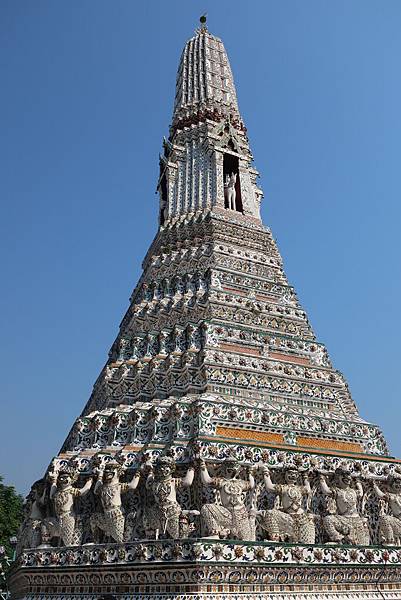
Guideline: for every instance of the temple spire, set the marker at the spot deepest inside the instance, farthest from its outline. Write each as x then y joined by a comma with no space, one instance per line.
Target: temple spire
207,162
280,484
204,74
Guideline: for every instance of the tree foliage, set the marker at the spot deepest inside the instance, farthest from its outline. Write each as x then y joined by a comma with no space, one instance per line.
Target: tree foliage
10,514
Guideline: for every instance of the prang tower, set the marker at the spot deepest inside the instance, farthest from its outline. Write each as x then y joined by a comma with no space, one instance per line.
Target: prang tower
281,489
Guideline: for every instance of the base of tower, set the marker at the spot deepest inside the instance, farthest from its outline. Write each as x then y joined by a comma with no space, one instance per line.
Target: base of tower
205,569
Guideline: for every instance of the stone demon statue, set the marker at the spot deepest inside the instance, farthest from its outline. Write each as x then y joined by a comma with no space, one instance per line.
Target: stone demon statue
112,519
231,518
390,522
66,524
288,521
34,530
163,516
344,524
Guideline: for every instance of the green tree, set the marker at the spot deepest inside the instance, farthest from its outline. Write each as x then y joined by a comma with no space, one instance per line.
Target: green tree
10,515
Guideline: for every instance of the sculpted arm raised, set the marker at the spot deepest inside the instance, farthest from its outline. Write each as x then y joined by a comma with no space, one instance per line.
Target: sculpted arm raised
53,486
97,487
84,490
323,485
204,473
267,479
189,477
133,484
359,488
378,491
98,475
99,481
251,478
307,487
150,478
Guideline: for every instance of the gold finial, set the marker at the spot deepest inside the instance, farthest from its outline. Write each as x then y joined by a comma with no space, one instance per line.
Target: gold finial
203,22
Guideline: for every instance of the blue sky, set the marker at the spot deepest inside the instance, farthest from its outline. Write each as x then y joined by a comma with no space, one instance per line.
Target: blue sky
86,95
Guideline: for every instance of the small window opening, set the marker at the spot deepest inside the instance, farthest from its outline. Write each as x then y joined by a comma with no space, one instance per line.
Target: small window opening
232,187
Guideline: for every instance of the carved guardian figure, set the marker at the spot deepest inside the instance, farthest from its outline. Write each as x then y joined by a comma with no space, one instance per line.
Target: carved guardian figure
163,516
344,524
231,519
229,190
109,489
34,530
390,523
288,521
66,525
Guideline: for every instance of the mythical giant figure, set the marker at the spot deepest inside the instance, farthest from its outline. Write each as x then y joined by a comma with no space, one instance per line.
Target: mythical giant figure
66,525
229,190
390,523
34,531
163,516
288,521
231,518
344,524
112,519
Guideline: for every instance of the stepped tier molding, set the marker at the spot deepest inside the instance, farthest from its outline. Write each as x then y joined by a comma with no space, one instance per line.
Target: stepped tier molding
220,454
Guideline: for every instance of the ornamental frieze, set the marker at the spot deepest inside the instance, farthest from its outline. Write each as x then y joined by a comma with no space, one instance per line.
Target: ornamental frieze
252,582
175,419
250,255
185,262
159,315
240,494
264,343
192,282
193,251
179,340
149,345
214,298
245,266
155,320
282,384
256,305
142,371
283,292
247,317
213,552
293,371
215,225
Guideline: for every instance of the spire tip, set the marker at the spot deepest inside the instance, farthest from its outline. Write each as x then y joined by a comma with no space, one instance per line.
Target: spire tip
203,20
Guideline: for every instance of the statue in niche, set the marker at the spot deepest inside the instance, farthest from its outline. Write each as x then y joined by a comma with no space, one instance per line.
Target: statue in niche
163,516
344,525
66,525
229,190
112,519
288,521
231,519
390,523
34,531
